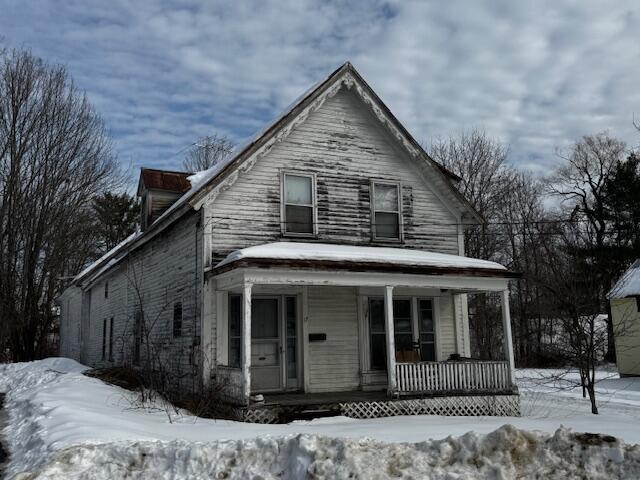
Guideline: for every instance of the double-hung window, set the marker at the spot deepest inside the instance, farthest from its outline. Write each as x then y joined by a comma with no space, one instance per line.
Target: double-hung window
235,330
386,213
298,209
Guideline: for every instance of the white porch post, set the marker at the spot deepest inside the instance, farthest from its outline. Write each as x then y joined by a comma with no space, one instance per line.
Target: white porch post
246,342
508,342
391,344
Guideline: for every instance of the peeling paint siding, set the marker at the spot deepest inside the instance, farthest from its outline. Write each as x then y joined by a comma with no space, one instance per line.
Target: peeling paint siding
167,269
334,364
343,144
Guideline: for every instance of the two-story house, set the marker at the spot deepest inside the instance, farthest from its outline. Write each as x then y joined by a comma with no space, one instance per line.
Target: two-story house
321,266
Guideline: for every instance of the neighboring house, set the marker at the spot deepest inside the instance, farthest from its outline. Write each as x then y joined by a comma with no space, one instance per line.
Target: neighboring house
293,267
625,314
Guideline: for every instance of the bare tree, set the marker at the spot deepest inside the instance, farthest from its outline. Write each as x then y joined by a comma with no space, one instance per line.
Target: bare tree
207,152
54,157
581,184
486,179
572,285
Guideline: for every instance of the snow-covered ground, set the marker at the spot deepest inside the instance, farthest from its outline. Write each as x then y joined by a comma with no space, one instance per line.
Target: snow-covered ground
66,425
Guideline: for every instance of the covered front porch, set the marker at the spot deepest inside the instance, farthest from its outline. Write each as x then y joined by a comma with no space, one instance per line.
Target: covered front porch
311,335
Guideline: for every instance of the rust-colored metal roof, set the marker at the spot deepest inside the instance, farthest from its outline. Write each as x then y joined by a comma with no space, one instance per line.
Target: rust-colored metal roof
165,180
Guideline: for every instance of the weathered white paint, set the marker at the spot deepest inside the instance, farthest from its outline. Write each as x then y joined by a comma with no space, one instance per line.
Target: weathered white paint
222,328
283,276
333,364
306,378
208,359
246,340
508,341
346,148
391,347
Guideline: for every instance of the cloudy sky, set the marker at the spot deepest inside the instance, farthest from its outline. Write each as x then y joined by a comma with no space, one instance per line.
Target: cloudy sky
535,74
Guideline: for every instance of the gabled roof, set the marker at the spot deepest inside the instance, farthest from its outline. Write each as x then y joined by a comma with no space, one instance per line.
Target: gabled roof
205,184
298,111
629,283
153,179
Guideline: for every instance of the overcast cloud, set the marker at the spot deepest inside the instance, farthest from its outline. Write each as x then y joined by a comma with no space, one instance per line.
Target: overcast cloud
535,74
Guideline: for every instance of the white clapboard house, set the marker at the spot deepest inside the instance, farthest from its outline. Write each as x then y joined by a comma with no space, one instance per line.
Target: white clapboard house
319,268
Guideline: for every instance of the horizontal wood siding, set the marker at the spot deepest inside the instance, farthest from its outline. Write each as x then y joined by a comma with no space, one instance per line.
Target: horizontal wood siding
334,363
345,146
446,328
165,270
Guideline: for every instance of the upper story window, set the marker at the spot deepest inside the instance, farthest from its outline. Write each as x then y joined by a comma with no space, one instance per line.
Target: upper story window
299,204
106,289
386,212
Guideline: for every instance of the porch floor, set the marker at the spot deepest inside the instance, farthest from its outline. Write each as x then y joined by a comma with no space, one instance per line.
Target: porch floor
324,398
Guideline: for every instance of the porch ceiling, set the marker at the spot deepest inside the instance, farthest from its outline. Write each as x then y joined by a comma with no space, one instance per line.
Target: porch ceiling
458,282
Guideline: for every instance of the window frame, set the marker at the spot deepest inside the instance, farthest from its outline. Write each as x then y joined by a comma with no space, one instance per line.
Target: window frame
173,319
415,326
313,205
111,340
104,338
372,189
230,362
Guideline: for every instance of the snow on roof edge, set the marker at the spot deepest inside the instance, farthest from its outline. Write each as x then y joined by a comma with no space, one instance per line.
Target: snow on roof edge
629,283
352,253
107,256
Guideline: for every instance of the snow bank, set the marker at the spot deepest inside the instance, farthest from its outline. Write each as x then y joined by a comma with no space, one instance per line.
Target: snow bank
502,454
64,424
349,253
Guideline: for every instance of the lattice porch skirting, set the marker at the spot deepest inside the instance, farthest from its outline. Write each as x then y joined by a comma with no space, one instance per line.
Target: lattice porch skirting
480,405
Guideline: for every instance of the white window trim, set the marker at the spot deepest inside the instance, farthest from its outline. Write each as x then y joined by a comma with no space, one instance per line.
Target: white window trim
313,205
415,327
372,189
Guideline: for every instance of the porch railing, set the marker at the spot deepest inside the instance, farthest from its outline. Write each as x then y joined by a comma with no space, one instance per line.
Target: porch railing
429,377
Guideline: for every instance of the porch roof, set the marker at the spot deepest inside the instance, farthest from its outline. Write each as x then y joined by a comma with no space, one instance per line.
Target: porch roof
327,264
323,256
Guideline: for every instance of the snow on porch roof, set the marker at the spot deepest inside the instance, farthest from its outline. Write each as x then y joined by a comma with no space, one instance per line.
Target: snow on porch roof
316,254
629,283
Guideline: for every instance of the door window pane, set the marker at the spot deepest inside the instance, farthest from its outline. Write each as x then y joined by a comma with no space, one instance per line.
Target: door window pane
235,330
427,331
292,338
377,336
264,318
403,333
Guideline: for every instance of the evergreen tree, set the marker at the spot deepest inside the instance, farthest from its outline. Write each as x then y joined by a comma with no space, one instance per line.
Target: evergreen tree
116,217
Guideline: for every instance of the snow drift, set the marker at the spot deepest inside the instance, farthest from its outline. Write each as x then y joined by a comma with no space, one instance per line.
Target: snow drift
503,454
67,425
